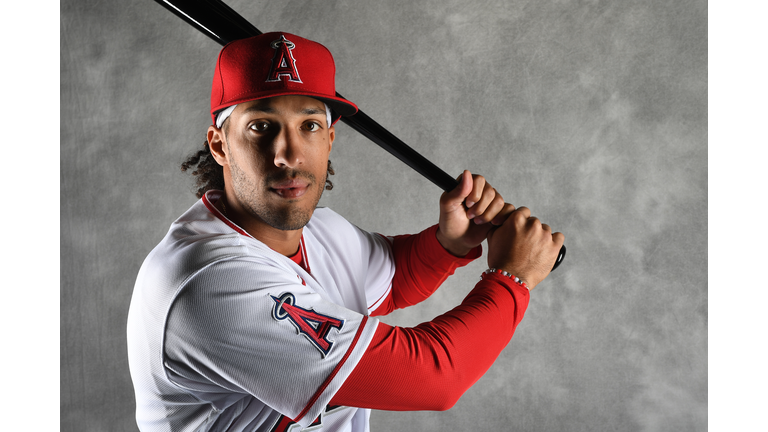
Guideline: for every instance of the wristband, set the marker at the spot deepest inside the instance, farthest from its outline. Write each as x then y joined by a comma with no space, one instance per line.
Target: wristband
511,276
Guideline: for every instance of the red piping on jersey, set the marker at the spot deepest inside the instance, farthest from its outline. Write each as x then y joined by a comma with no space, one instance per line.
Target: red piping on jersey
303,252
380,300
375,305
212,208
335,370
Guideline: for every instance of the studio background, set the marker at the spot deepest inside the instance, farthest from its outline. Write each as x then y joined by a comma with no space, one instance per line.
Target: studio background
591,113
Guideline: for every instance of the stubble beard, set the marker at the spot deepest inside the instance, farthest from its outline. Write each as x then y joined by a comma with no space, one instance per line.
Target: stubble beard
285,218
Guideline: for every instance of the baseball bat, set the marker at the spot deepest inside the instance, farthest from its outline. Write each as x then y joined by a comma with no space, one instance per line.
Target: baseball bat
222,24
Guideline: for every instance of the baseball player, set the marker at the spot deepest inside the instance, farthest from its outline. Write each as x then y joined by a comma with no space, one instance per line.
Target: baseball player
257,311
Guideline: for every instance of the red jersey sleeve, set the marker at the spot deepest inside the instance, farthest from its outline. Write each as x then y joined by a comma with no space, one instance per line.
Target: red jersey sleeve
429,367
421,266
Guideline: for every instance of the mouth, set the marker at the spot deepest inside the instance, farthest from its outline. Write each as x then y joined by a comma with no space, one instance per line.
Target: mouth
293,188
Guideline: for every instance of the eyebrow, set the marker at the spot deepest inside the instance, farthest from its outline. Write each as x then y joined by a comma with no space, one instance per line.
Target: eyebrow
311,111
259,108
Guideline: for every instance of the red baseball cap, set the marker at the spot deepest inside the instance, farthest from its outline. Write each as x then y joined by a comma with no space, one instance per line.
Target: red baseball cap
275,64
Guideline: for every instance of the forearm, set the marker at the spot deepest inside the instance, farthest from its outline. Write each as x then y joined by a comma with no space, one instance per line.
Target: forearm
430,366
421,266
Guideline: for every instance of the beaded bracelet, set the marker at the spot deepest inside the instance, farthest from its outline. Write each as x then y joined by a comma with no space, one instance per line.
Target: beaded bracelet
511,276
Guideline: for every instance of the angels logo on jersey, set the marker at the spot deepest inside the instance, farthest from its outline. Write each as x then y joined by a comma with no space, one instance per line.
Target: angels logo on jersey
314,326
283,63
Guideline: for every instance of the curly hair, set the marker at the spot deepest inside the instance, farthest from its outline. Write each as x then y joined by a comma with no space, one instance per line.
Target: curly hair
210,175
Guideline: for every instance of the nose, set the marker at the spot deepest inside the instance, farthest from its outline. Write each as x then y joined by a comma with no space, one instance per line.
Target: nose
288,149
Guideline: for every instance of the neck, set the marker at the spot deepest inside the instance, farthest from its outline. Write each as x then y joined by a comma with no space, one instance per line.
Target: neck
283,242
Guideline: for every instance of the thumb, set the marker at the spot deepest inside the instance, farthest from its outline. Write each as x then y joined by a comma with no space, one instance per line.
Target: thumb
460,192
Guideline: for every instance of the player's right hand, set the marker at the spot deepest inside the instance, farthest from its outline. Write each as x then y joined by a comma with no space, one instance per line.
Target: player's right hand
524,247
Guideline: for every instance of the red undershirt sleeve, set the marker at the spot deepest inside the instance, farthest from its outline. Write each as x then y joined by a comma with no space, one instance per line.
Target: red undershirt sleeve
429,367
421,266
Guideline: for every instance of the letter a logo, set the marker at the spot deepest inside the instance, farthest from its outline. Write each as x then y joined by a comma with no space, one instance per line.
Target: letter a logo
283,63
314,326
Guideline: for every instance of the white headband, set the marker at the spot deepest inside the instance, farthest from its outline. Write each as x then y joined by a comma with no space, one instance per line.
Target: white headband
223,114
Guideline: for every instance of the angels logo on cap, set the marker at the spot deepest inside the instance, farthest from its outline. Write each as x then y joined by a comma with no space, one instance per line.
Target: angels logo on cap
283,63
265,66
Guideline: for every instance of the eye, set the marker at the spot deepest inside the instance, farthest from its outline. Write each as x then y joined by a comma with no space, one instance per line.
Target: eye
312,126
260,126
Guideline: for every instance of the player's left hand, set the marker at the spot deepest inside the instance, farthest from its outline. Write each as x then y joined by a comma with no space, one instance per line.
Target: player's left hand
463,228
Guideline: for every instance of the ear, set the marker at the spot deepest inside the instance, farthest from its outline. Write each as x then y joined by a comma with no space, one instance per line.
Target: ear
331,137
217,145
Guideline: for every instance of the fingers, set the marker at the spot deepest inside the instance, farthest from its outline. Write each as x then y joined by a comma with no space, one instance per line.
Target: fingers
487,207
522,214
484,203
524,219
503,214
559,239
478,189
456,197
524,246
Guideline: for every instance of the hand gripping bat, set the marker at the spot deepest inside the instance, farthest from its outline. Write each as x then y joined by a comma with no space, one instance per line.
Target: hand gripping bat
222,24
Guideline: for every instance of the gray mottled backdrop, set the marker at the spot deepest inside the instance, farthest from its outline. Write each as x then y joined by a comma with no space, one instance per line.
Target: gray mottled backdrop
593,113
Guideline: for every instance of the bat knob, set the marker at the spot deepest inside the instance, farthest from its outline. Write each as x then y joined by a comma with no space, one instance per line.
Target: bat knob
560,258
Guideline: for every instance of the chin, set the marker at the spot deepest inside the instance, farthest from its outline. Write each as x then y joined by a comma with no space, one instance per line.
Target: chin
289,220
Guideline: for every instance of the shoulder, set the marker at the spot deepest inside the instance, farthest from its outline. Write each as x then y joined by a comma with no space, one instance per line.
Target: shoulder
196,239
198,244
338,236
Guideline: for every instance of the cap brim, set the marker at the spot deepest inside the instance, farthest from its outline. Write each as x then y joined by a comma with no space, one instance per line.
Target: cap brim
339,108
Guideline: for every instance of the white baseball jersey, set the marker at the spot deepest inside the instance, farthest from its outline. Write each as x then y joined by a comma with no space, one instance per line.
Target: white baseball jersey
225,334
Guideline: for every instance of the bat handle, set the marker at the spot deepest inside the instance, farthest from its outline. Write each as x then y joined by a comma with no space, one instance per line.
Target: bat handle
560,256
